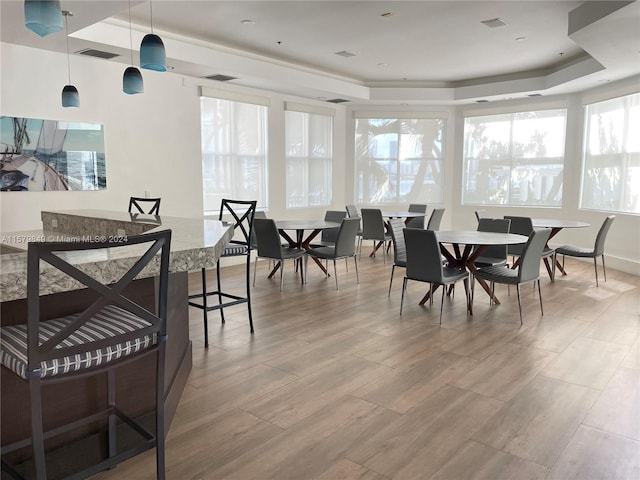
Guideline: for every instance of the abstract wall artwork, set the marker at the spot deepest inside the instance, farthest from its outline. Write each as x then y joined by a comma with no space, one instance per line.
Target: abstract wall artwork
50,155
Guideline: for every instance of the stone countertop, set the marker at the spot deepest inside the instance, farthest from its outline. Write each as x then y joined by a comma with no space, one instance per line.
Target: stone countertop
195,243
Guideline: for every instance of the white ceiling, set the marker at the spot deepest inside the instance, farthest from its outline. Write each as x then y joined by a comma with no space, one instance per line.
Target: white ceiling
422,51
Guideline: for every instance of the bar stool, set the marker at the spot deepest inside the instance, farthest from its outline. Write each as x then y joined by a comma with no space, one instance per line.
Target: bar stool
242,212
112,331
152,205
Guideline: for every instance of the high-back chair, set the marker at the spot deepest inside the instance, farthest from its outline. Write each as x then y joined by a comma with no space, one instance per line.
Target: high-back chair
343,248
269,246
424,264
373,228
528,270
493,254
144,205
595,252
352,212
480,214
524,226
435,219
111,331
396,226
329,235
417,222
241,213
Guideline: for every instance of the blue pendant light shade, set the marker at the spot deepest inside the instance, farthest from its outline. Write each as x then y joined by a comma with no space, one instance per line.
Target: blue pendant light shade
70,96
43,16
152,54
132,81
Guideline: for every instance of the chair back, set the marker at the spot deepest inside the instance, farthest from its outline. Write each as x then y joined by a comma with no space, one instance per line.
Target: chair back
352,211
529,268
267,238
242,213
497,225
329,235
257,214
520,226
424,262
418,207
481,214
372,224
66,342
346,239
417,222
396,225
435,219
152,205
598,249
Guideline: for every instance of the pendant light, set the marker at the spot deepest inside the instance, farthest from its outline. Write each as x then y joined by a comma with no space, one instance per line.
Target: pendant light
70,95
152,54
43,16
132,79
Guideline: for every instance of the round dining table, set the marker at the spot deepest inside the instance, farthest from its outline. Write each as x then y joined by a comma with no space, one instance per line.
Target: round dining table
475,243
301,241
556,226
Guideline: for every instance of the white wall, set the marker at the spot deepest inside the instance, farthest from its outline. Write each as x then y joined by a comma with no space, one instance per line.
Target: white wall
152,142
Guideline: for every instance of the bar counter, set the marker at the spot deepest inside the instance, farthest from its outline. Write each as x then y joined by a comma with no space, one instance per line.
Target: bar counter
195,243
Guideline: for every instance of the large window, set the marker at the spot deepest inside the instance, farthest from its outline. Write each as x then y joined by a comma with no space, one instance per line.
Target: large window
234,152
308,146
514,159
611,169
399,160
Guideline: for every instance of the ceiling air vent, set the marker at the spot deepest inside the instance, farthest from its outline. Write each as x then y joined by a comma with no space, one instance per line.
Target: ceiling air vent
482,101
494,23
535,94
221,78
92,52
337,100
345,54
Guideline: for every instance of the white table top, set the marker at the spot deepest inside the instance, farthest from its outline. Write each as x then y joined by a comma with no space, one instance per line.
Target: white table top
474,237
305,224
555,223
401,214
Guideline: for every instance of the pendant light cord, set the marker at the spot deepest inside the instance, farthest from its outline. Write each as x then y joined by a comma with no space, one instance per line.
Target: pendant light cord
151,14
130,34
66,18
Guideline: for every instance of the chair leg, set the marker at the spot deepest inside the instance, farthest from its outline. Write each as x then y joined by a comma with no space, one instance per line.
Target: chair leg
595,267
467,293
37,435
255,270
219,291
604,270
493,293
306,267
519,304
303,271
335,272
248,284
393,268
281,274
431,294
540,295
204,308
444,287
160,427
404,287
355,262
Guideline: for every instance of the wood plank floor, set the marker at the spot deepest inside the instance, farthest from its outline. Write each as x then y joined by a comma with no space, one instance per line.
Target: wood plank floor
337,385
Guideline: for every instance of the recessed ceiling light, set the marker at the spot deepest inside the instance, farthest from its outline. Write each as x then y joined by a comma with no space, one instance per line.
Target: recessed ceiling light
482,101
345,54
247,22
494,23
521,39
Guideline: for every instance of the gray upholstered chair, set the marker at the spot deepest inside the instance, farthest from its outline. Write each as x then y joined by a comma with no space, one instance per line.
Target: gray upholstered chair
481,214
344,247
352,212
595,252
528,270
373,228
144,205
269,246
329,235
417,222
424,264
524,226
112,330
396,226
493,254
435,219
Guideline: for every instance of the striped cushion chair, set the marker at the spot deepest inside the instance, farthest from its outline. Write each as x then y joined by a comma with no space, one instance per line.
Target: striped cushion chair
111,331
